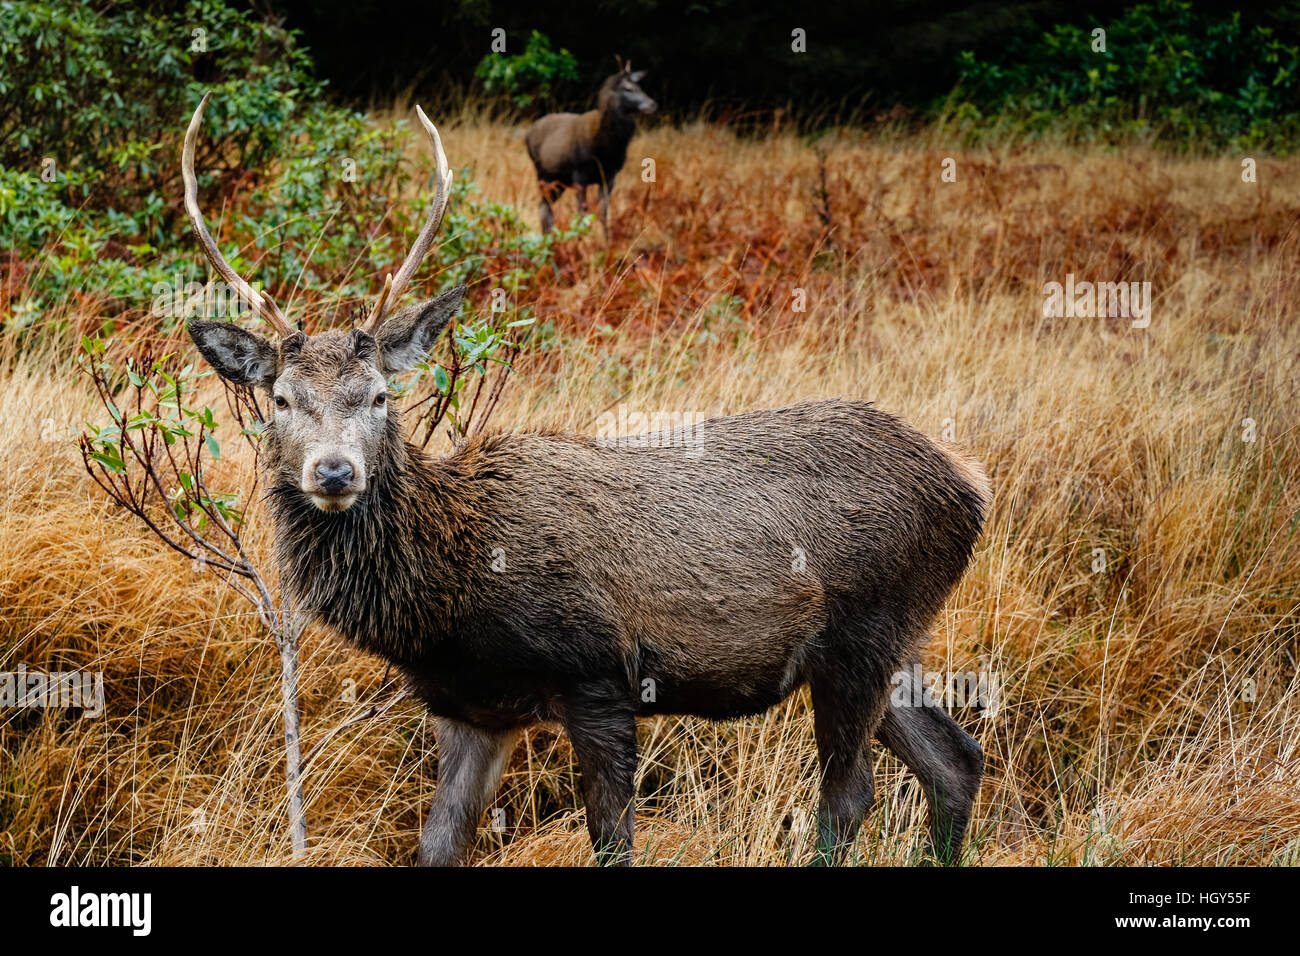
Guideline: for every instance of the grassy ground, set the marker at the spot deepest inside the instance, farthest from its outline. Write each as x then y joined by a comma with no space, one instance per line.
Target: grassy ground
1148,711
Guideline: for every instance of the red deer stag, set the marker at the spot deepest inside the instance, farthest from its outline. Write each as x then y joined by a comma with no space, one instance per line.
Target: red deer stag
579,149
542,577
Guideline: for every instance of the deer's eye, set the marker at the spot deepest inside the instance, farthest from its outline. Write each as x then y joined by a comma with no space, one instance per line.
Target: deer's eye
380,400
281,402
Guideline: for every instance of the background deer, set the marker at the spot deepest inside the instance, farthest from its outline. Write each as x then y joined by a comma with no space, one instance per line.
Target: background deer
579,149
548,577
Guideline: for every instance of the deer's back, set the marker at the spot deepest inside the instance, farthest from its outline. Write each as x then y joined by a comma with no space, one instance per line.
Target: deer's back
565,147
715,555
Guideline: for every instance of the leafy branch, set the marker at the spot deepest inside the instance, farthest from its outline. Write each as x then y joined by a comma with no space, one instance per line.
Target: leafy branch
153,462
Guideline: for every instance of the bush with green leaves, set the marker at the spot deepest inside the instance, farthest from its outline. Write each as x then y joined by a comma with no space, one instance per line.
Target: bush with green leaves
93,105
1167,70
530,78
305,197
91,87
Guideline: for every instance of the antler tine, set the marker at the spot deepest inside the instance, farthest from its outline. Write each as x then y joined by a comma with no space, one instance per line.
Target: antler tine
425,239
373,319
260,302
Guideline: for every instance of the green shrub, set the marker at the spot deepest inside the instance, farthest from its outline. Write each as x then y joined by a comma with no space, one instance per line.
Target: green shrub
530,77
1167,69
92,90
302,195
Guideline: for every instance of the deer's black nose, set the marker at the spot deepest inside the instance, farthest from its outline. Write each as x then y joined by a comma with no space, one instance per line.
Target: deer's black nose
334,474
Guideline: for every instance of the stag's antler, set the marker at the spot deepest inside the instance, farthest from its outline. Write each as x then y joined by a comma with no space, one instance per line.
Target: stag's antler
260,302
394,285
376,314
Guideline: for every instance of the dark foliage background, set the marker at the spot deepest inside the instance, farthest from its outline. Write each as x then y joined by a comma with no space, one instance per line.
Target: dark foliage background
735,53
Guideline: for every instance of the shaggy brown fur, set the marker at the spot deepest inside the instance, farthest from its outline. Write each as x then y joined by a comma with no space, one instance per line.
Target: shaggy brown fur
548,577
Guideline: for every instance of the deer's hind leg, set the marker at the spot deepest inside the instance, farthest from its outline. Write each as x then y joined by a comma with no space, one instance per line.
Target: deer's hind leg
848,788
862,650
947,760
849,688
602,197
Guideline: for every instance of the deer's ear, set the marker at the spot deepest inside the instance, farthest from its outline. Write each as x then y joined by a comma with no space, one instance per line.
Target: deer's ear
405,339
638,76
238,356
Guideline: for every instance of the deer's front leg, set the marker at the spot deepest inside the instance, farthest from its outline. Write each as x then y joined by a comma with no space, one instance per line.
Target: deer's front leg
602,195
470,763
601,723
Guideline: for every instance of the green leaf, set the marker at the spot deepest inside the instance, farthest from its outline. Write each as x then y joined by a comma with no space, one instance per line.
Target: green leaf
110,460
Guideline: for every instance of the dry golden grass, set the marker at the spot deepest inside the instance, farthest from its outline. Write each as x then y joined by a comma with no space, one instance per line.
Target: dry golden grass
1125,731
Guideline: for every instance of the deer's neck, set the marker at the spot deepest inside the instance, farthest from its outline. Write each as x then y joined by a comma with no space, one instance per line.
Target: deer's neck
386,573
614,129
